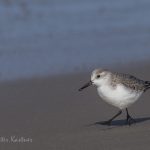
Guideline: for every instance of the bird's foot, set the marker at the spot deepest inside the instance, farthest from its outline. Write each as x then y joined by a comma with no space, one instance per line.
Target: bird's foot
108,122
130,120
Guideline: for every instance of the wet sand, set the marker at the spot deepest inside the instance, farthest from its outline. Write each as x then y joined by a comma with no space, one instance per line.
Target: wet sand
55,116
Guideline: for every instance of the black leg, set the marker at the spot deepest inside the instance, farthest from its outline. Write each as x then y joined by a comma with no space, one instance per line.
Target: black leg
110,120
130,120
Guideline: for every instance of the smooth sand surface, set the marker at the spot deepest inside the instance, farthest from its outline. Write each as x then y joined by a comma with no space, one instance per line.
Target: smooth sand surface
52,113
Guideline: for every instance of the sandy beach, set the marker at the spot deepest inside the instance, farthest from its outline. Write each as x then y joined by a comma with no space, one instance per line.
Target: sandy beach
50,113
40,110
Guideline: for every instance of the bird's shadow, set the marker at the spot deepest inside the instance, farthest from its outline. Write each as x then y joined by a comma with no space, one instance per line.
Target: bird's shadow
121,122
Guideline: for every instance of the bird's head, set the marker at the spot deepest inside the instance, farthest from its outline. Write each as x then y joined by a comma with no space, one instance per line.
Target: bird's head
98,77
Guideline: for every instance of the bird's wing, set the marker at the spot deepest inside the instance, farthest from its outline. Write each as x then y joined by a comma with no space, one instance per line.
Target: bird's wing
131,81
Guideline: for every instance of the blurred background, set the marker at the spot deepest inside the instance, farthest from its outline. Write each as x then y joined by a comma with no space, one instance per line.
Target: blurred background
51,37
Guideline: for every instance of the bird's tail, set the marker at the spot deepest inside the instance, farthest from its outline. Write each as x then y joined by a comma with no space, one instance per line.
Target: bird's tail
147,85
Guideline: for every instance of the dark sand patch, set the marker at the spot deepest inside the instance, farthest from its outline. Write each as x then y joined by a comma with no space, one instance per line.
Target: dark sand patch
56,116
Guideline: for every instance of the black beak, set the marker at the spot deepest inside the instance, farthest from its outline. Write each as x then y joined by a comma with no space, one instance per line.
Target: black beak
86,85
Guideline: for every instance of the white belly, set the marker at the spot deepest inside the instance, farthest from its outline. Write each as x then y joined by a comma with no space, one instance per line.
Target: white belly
119,96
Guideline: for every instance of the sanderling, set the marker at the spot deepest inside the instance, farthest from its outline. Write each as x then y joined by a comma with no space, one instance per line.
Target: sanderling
118,89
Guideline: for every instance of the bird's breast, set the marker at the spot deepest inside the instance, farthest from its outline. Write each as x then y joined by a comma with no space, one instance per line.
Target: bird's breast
119,96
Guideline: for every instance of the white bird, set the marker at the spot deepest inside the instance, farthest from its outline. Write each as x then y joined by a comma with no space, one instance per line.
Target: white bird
117,89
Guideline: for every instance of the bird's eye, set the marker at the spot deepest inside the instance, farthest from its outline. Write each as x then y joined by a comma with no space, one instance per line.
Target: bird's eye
98,76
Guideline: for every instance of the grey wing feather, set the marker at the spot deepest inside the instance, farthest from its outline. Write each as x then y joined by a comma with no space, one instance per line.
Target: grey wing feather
132,82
